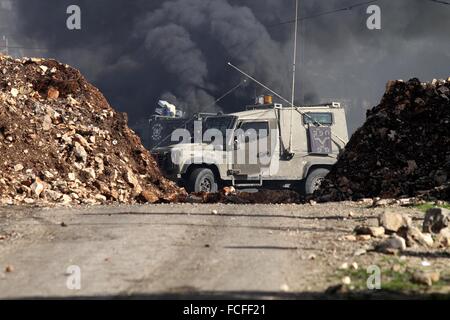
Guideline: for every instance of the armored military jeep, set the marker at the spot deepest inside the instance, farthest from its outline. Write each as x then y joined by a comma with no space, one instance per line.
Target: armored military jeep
266,146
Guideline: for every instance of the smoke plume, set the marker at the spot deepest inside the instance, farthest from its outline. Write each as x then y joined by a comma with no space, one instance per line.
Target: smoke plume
140,51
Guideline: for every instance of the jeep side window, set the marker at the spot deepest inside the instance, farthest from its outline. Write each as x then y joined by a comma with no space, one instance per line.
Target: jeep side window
261,128
324,118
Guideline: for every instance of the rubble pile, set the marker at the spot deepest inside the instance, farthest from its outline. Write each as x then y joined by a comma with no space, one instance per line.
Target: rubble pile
61,142
403,149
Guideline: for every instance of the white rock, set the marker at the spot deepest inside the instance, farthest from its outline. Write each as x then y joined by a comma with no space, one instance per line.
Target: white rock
346,280
100,198
80,152
14,92
344,266
28,201
49,175
44,68
66,199
37,187
425,263
285,288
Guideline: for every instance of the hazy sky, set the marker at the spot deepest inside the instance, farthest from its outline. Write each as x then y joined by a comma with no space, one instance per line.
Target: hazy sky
137,51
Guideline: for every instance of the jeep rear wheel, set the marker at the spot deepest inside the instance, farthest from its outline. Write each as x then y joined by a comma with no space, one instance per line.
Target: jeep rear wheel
202,180
314,180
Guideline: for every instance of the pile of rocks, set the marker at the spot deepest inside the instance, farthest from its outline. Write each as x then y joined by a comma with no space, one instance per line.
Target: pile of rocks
397,232
61,142
403,149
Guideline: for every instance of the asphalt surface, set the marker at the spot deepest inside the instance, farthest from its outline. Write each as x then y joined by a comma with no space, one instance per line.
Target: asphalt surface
175,251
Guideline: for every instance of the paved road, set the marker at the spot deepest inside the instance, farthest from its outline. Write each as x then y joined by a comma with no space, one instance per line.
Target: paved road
175,251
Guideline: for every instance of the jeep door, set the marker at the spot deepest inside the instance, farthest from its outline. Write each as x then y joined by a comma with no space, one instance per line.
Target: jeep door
253,147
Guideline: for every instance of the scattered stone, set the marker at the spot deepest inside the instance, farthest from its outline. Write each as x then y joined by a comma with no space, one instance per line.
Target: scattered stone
37,187
425,263
284,288
346,281
425,278
349,237
376,232
344,266
18,167
382,203
443,238
392,245
360,252
214,212
436,219
9,269
414,236
397,268
363,237
367,201
63,224
392,221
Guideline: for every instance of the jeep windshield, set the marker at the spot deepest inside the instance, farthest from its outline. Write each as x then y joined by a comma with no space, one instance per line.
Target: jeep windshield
221,123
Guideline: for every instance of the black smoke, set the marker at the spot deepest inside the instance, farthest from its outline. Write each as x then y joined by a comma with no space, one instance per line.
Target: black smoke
139,51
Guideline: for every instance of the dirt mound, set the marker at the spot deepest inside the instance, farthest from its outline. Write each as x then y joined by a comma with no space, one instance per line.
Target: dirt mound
403,149
61,142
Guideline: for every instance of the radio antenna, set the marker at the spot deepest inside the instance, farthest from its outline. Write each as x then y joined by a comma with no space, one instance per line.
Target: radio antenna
294,67
282,98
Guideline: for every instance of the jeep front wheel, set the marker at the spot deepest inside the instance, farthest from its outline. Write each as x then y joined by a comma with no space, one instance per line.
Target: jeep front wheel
314,180
202,180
